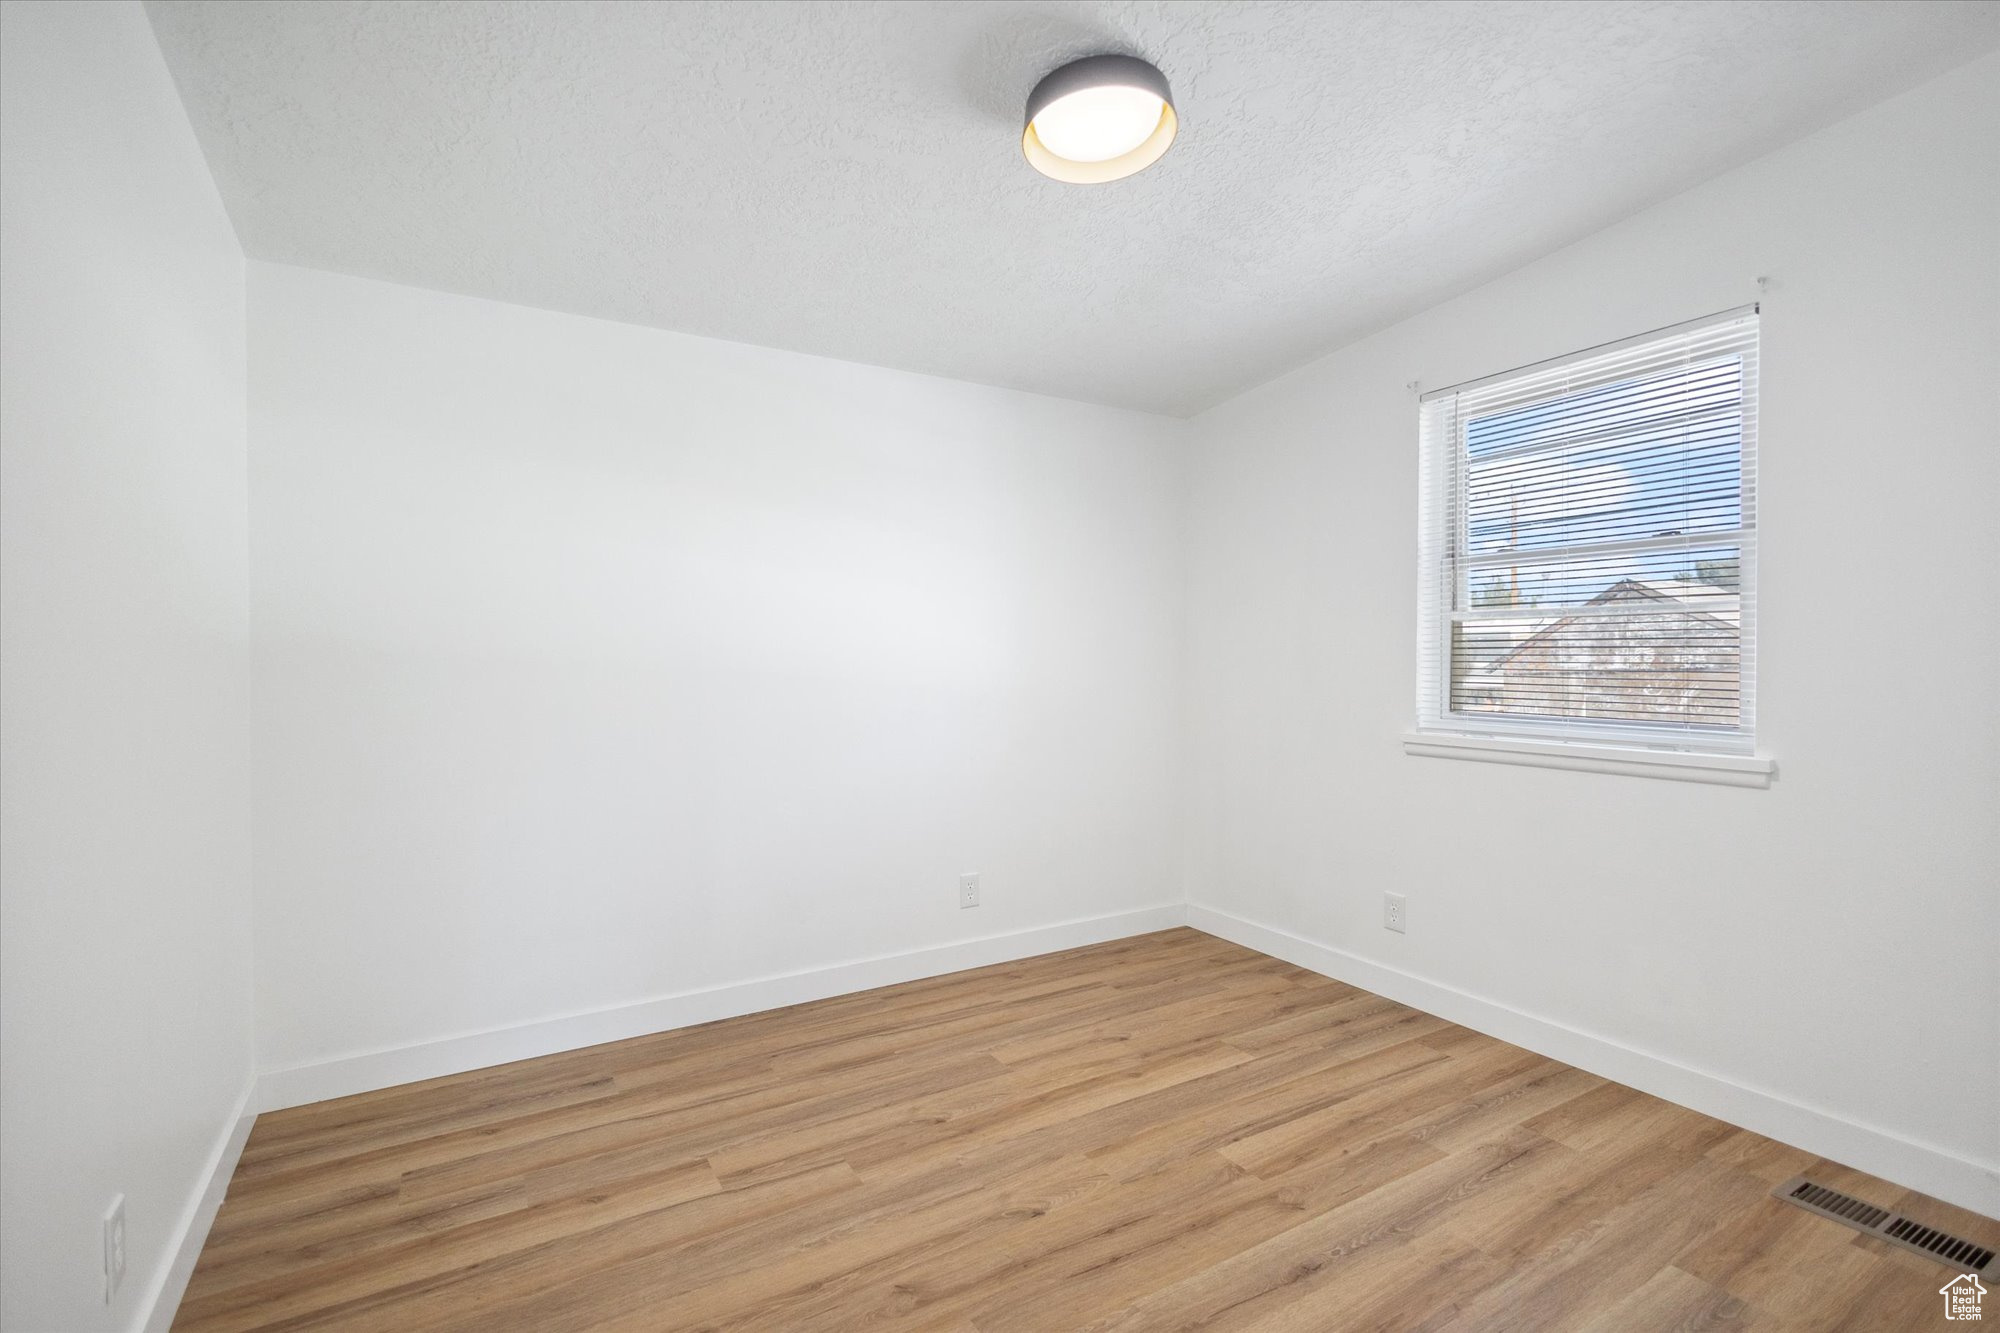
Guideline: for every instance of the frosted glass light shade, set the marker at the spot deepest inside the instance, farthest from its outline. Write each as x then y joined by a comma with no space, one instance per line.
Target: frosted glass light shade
1099,119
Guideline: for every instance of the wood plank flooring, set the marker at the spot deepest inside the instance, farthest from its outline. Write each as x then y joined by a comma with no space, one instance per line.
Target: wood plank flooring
1162,1132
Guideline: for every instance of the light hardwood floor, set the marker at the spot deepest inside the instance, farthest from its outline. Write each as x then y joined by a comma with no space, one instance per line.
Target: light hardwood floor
1162,1132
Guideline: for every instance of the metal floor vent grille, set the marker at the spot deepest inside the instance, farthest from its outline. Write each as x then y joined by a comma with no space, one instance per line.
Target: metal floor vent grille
1949,1250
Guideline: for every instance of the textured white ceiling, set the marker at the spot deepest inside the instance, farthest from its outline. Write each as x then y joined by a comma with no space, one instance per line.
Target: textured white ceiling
846,178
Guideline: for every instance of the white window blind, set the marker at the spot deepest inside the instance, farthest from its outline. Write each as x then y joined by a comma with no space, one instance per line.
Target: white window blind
1589,546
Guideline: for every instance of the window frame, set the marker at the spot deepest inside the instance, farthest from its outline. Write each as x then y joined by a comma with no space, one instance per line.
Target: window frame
1447,566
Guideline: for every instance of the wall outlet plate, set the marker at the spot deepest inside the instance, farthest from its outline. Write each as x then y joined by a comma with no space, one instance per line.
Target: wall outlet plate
114,1246
968,890
1395,912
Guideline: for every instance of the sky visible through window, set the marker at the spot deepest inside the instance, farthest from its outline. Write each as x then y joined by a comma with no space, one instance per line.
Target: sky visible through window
1655,456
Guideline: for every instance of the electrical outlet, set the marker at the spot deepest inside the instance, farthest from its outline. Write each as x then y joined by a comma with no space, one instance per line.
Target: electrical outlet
114,1246
1394,906
968,890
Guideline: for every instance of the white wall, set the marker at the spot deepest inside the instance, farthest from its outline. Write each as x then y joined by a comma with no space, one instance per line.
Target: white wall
1831,940
125,980
597,663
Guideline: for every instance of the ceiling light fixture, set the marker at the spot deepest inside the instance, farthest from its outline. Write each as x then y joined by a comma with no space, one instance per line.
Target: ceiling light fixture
1099,119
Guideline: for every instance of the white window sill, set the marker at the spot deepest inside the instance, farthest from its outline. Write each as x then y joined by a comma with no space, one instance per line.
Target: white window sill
1729,770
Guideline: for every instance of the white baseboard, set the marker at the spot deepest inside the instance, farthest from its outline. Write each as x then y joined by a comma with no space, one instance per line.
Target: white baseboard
156,1311
1914,1165
369,1070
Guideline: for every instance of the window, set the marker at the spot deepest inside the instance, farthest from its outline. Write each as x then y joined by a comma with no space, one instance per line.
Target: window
1589,547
